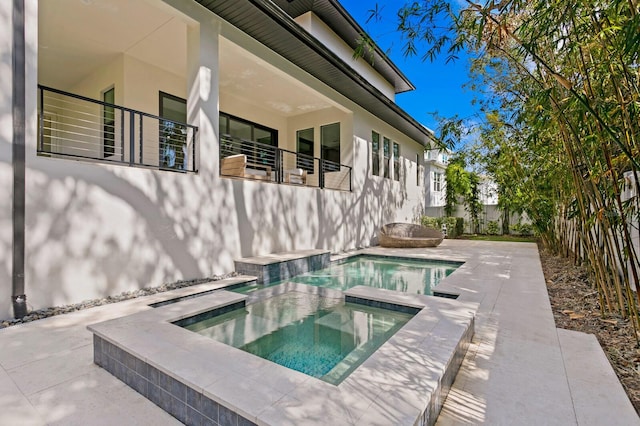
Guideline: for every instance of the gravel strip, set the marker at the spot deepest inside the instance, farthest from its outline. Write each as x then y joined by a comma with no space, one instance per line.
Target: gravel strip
58,310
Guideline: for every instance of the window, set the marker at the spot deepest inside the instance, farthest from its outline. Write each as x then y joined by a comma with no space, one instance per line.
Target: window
305,147
330,146
108,124
173,135
396,161
247,132
437,181
386,152
418,167
375,154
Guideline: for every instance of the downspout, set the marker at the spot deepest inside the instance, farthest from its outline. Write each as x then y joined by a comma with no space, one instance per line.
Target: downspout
18,298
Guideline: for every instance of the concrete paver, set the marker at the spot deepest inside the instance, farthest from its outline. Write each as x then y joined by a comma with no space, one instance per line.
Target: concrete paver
519,369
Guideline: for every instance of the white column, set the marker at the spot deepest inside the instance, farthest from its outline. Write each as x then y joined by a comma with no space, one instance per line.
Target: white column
203,93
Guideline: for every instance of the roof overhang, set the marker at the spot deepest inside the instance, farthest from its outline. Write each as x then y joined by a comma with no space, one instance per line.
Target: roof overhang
269,24
338,19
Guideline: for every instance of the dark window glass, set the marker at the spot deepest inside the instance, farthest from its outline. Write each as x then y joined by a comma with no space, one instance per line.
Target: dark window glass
173,133
330,143
108,124
396,161
305,149
375,154
248,138
386,152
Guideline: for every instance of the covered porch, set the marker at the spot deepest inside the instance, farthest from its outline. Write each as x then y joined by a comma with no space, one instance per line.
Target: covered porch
116,85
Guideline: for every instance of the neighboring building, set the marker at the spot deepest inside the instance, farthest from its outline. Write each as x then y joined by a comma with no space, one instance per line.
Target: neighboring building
164,139
436,161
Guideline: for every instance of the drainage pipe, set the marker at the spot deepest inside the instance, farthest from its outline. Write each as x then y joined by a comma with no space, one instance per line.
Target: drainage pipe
18,298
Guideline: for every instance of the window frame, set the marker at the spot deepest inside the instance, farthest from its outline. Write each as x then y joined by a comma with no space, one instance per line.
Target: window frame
437,181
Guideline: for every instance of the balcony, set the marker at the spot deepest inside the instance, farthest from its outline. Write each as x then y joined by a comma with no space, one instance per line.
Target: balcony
77,127
252,160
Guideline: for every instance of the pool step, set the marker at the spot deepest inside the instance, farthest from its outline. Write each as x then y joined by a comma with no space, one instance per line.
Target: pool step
281,266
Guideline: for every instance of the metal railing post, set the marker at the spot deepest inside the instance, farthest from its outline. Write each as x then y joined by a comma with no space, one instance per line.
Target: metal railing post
141,138
193,143
279,170
132,136
321,173
41,139
121,135
350,181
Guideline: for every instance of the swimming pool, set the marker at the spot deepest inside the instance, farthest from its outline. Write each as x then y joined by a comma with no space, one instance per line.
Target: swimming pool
322,337
406,275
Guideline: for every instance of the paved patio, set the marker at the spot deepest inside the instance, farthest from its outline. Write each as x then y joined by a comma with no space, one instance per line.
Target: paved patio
520,369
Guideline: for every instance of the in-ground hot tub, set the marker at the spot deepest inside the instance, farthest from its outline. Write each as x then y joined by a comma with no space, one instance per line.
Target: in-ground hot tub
323,337
201,380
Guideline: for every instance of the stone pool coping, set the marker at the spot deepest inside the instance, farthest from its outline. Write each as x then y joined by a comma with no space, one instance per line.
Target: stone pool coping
404,382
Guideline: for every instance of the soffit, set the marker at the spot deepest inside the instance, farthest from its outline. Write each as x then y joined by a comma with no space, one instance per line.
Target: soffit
269,24
339,20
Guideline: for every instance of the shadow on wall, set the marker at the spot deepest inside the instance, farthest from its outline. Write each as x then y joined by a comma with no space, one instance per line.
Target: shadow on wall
274,218
6,229
94,231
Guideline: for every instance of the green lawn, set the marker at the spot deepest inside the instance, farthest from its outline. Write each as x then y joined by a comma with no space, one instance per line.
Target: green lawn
511,238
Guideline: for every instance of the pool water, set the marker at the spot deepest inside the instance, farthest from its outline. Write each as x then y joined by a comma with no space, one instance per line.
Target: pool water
322,337
398,274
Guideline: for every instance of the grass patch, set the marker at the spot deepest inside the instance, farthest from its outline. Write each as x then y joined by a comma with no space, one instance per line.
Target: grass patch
509,238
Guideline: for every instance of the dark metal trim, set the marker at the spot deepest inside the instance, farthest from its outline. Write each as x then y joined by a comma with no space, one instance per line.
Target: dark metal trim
18,298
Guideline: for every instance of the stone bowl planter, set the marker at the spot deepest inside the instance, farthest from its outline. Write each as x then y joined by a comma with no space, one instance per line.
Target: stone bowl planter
409,235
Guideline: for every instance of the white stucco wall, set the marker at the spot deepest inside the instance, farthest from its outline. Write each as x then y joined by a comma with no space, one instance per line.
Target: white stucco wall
96,229
314,25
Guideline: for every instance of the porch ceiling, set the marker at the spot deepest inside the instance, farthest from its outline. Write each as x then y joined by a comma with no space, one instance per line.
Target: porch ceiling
77,37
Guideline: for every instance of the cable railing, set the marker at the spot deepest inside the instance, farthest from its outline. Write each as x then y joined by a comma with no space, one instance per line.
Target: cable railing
78,127
253,160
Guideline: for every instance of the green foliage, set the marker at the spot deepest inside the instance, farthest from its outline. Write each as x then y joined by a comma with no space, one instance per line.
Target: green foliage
524,229
463,184
431,222
457,184
454,225
459,227
493,228
561,121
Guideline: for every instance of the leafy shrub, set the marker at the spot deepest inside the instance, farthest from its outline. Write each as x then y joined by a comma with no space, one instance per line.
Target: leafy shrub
454,225
524,229
431,222
493,228
459,227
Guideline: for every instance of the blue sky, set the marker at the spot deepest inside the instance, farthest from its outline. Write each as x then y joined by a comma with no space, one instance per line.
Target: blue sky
438,85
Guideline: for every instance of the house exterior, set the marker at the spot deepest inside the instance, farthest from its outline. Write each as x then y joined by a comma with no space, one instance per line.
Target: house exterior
165,138
436,162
